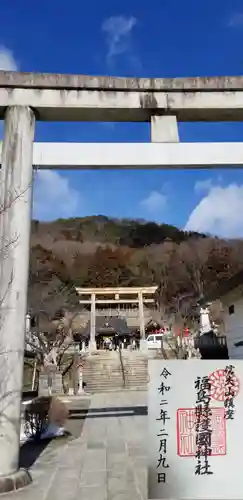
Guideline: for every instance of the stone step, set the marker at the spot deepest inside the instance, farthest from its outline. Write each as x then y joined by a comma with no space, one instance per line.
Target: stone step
127,371
104,388
115,365
93,369
128,361
131,373
99,389
136,380
136,383
96,380
104,382
135,370
101,379
127,376
117,382
108,378
102,369
135,367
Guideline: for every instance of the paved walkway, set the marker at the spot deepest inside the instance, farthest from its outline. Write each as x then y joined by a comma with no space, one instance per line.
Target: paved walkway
106,462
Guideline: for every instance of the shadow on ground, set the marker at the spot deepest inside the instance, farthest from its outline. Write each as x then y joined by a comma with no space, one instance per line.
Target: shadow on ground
30,451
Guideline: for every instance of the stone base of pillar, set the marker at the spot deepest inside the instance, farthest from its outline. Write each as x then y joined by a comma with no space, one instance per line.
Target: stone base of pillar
92,345
143,346
15,481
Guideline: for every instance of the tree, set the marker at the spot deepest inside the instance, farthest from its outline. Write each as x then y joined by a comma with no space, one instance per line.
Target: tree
165,270
50,286
51,342
54,305
224,260
108,267
141,269
194,257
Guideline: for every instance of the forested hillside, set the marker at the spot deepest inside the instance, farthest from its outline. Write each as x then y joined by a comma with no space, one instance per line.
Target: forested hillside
100,251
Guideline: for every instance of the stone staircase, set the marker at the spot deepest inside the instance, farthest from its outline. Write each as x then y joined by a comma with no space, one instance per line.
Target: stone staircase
135,366
102,372
107,371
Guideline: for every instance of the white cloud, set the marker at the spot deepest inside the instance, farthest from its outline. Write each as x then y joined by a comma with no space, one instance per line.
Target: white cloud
202,186
155,202
118,31
219,212
54,197
7,60
236,19
205,185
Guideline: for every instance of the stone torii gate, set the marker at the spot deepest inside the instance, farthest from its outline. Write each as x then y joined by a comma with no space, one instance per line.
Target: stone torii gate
27,97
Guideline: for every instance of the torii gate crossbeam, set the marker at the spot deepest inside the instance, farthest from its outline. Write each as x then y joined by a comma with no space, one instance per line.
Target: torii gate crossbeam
83,156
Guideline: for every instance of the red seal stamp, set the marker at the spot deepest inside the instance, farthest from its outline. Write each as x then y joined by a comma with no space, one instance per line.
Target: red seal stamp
218,381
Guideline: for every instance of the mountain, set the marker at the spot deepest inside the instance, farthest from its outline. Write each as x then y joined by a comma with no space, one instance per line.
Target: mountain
101,251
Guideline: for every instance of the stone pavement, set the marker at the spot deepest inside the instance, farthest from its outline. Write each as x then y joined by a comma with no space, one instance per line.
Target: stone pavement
106,462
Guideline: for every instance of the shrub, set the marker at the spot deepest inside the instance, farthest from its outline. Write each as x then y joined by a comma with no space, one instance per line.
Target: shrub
58,412
41,412
37,417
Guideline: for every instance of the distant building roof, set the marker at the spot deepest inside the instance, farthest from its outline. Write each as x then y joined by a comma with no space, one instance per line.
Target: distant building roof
107,325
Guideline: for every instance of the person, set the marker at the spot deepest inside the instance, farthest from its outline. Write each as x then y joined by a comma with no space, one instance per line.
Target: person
134,345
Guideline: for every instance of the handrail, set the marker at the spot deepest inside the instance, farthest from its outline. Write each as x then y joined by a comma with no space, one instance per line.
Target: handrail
122,367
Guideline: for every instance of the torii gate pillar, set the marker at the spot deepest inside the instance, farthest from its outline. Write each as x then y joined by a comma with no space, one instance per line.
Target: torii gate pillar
15,224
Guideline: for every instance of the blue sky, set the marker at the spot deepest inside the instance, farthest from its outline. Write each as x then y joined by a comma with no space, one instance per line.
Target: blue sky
132,38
